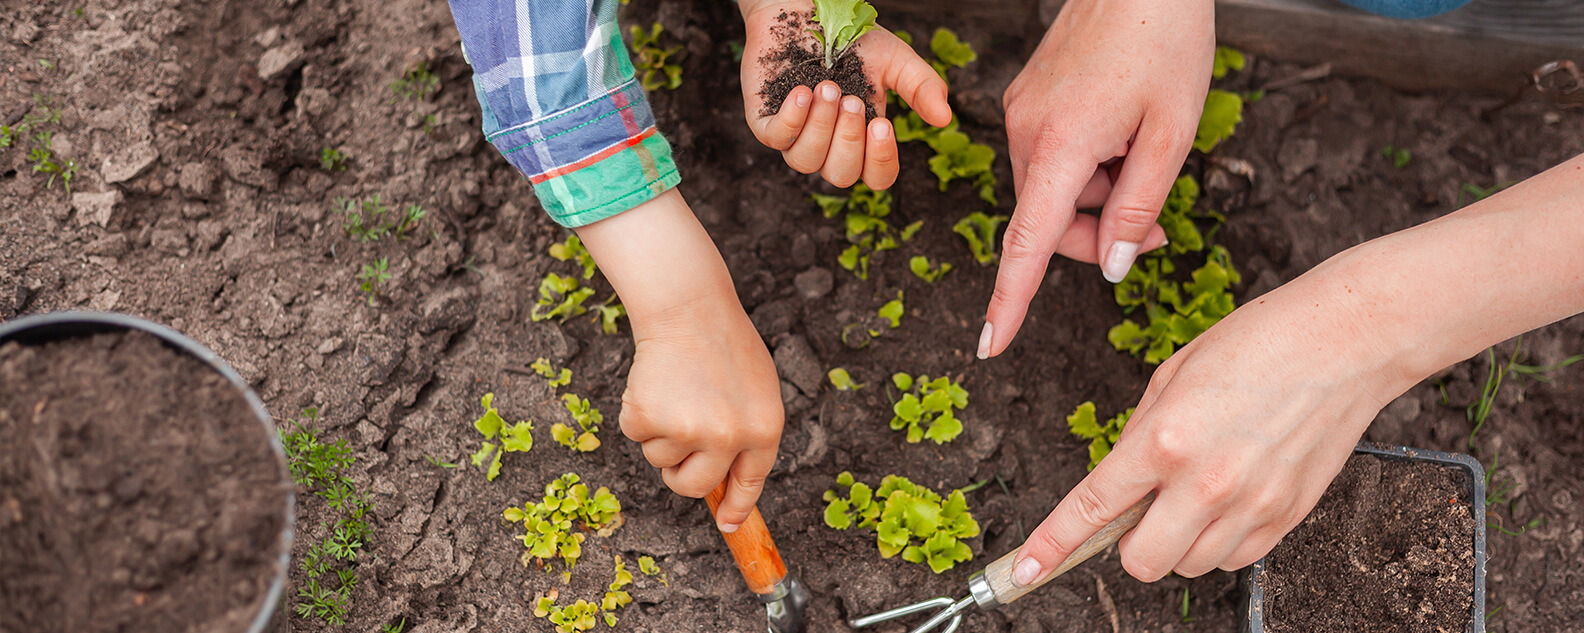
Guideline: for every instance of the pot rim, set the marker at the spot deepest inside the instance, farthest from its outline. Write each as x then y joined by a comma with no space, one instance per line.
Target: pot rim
39,328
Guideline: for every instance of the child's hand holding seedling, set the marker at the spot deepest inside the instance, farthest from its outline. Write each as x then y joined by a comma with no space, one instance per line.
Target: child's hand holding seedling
815,126
702,396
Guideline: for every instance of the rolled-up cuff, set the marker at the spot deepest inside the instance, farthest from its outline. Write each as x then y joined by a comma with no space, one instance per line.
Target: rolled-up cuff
615,183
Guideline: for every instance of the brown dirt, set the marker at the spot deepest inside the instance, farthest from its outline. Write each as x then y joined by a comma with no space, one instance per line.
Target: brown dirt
139,493
228,237
1389,548
798,61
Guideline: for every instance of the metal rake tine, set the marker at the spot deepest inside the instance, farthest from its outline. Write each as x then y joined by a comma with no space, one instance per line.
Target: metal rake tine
949,610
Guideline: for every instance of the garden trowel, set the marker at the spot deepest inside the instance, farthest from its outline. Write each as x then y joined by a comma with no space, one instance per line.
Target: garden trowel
761,566
993,586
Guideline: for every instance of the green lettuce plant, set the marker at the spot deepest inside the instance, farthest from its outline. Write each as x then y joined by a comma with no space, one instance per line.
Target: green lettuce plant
980,232
549,523
514,438
560,297
841,22
653,62
646,564
543,368
1102,437
926,270
907,519
572,249
1177,312
927,409
949,51
588,420
892,311
842,381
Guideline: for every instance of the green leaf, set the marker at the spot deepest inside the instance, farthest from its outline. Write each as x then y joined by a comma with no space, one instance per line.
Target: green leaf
980,232
1226,59
945,428
950,50
587,442
842,381
517,438
892,311
841,23
860,495
911,229
1082,422
494,467
913,554
836,514
829,205
902,381
1222,112
1127,336
562,434
908,408
483,453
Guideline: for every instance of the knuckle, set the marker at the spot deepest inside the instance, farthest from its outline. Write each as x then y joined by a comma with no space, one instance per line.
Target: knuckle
1168,447
751,484
839,178
1047,547
1134,220
1214,486
800,162
1025,237
1140,567
1089,507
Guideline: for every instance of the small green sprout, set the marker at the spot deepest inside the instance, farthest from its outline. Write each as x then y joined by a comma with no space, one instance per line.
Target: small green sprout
867,230
549,523
542,367
364,220
646,564
653,61
514,438
911,230
1177,312
587,418
572,249
927,408
46,65
980,231
957,157
1102,437
907,519
395,628
416,83
606,314
575,617
409,221
841,22
438,463
1399,156
373,277
1223,111
1178,215
616,595
950,51
43,158
842,381
332,160
924,269
327,467
1477,193
560,297
892,311
1226,59
736,47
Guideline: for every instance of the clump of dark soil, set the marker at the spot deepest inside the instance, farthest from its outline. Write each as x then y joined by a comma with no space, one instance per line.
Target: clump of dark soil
1390,547
794,62
136,491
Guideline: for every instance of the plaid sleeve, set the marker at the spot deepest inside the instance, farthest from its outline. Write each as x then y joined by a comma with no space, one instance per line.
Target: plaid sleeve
561,103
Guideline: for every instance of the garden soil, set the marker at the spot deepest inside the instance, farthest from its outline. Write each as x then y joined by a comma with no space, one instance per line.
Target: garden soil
137,491
1389,548
210,117
796,61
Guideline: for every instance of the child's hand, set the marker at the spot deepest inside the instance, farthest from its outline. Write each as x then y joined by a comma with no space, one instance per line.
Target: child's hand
702,396
819,129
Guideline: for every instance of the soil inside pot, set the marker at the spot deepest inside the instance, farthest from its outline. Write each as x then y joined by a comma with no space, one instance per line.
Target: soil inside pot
1390,547
136,491
793,62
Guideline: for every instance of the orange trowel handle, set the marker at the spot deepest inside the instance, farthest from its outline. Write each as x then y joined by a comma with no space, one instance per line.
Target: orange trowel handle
752,547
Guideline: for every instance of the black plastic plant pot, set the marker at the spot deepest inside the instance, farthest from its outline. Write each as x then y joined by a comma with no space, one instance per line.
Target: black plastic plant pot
1257,575
45,328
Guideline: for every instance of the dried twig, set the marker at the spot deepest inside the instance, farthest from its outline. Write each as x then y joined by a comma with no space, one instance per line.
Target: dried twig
1306,75
1108,605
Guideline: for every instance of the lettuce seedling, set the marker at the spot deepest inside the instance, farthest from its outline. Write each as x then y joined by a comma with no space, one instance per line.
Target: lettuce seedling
927,408
1084,424
1399,156
1222,112
575,617
572,249
514,438
549,523
1177,312
646,564
543,368
560,297
606,314
907,519
841,22
1226,59
949,51
923,269
616,595
373,277
892,311
867,230
980,231
842,381
653,61
587,418
957,157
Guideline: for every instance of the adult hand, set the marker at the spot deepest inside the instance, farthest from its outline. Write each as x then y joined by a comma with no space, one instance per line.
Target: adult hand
819,129
1113,79
1238,434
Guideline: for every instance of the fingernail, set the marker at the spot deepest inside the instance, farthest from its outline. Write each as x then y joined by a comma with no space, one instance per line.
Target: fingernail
985,337
1119,260
828,92
853,105
803,98
1165,241
1026,572
728,528
880,130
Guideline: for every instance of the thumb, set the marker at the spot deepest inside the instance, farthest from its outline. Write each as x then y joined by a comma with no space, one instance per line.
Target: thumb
743,486
1099,499
1130,212
1046,203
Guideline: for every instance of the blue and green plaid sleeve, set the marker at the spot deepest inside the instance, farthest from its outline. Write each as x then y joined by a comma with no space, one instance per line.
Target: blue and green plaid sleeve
561,103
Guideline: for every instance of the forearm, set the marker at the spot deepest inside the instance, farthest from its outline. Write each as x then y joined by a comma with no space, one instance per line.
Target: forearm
1440,292
659,259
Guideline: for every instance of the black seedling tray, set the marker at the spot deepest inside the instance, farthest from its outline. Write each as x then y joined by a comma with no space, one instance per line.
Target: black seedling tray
1254,580
42,328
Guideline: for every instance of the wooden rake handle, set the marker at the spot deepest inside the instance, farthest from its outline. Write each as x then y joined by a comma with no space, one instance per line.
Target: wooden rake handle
755,552
999,573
